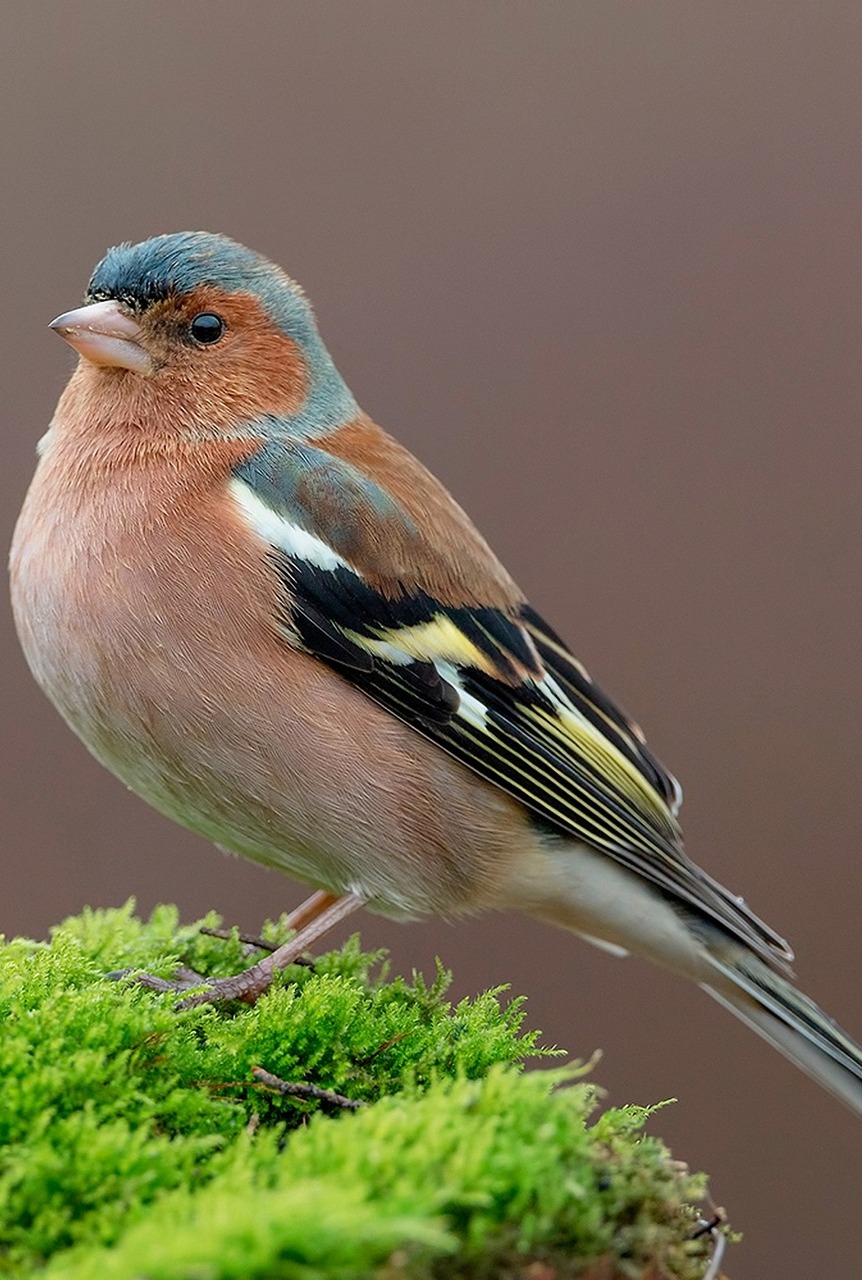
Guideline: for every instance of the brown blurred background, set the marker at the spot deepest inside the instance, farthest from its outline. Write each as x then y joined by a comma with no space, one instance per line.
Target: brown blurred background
598,264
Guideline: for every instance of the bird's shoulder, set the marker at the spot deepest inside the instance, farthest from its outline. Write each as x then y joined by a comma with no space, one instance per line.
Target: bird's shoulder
366,497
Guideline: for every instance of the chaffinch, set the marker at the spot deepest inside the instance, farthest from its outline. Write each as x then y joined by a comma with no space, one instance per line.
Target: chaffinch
269,620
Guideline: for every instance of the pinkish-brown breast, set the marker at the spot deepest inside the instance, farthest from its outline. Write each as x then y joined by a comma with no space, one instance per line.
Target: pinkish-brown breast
145,610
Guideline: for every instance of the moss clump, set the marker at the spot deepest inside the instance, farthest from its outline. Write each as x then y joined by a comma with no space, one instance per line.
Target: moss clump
136,1142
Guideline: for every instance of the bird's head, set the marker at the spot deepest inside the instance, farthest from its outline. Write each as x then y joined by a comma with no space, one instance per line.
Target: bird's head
202,333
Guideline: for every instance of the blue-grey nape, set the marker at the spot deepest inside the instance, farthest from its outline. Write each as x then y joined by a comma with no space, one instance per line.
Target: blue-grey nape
139,275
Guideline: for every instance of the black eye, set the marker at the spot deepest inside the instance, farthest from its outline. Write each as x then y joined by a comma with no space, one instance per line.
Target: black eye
206,328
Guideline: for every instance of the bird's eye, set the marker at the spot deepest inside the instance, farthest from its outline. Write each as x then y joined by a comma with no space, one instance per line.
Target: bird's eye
206,328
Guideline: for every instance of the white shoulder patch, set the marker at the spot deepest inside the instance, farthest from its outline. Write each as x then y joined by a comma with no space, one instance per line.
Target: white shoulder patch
471,709
280,532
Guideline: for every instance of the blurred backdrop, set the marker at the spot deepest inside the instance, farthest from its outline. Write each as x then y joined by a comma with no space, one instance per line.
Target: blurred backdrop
598,264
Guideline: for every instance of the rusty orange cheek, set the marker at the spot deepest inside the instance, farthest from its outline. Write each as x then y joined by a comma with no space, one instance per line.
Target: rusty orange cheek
260,373
255,369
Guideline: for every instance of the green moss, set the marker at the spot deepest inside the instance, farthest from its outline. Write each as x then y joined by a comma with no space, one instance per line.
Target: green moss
135,1141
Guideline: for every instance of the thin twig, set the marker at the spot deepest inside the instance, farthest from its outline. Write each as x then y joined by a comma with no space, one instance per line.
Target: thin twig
250,939
309,1091
381,1048
714,1267
705,1228
712,1227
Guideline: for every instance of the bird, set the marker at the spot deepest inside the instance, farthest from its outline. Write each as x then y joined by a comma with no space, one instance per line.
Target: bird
268,619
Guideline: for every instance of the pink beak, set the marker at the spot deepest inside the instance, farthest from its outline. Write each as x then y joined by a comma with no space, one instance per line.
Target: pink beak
105,334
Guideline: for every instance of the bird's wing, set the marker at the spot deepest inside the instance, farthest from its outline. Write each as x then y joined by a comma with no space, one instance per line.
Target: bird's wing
489,682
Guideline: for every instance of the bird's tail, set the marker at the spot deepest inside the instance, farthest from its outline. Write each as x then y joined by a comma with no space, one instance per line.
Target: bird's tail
791,1022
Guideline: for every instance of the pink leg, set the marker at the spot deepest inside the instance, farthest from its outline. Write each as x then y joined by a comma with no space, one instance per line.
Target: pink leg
310,909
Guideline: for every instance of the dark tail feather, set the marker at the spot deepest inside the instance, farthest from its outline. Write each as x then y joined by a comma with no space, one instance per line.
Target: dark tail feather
792,1023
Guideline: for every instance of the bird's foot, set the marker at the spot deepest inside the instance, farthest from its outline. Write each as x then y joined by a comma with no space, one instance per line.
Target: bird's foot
311,920
247,986
183,980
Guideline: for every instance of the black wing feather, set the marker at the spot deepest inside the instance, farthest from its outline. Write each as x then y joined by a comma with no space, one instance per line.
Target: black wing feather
549,736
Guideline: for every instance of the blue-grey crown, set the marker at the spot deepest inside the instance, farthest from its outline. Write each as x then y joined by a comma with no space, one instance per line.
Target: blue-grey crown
170,265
